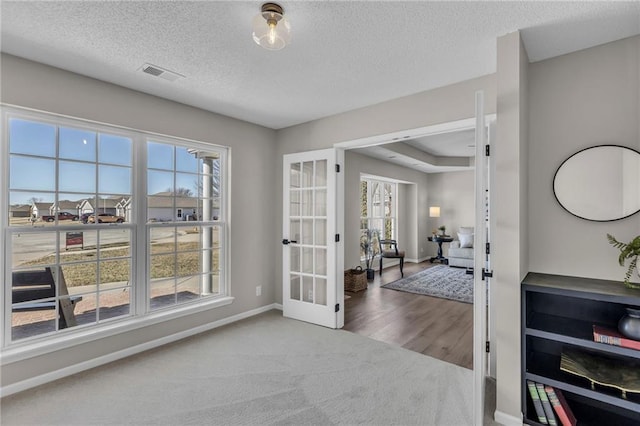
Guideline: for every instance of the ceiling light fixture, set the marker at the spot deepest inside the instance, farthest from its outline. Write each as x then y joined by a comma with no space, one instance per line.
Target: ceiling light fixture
271,29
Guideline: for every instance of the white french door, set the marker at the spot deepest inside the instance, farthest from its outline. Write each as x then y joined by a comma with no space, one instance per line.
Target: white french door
482,260
311,247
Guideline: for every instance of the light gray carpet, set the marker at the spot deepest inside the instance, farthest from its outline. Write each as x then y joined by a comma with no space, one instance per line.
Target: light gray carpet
439,281
267,370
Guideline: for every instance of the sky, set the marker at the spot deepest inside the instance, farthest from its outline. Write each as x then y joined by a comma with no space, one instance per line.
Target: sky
89,163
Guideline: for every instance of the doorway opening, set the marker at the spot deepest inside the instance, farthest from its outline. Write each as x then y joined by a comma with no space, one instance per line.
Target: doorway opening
427,167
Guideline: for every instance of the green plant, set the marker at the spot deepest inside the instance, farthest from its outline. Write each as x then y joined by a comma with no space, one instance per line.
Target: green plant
442,228
370,245
628,251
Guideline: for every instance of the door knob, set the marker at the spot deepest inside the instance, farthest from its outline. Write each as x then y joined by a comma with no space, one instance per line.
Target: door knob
285,241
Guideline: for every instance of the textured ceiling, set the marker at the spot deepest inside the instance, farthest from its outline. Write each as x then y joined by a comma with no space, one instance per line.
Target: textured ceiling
344,55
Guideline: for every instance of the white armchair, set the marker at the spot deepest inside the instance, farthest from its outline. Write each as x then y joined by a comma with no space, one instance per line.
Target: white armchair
461,250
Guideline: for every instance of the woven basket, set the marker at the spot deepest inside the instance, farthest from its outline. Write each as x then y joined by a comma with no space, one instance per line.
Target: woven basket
355,279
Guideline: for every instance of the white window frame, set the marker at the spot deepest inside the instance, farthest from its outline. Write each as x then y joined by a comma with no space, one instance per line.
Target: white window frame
140,313
394,202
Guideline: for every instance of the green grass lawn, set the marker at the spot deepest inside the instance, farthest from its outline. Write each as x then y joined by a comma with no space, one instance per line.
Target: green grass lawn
115,263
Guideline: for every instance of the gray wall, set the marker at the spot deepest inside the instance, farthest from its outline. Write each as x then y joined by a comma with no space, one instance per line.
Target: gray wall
454,192
253,179
411,212
579,100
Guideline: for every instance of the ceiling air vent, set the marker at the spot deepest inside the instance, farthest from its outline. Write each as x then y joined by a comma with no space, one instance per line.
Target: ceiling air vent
157,71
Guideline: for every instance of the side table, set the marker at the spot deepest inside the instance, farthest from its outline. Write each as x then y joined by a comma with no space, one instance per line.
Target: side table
440,239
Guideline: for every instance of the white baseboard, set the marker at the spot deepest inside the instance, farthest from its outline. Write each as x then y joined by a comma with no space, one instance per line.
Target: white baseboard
422,259
86,365
507,419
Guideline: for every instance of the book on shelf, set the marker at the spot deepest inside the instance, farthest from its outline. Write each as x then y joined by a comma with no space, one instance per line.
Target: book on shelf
612,337
546,405
537,404
562,409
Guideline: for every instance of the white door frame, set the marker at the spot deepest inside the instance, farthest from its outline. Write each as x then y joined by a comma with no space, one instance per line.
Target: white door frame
458,125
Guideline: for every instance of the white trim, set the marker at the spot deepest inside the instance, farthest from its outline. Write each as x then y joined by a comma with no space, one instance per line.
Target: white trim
467,123
507,419
96,362
31,349
277,306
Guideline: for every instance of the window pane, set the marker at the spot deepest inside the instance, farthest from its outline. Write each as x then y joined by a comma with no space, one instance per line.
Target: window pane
77,246
77,177
111,209
25,324
163,266
162,240
159,183
114,304
187,185
159,156
33,249
189,288
77,144
115,273
32,174
160,208
80,277
114,180
28,137
189,263
186,161
25,207
114,149
115,243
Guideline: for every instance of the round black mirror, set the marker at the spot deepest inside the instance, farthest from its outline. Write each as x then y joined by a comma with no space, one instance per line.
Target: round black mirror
600,183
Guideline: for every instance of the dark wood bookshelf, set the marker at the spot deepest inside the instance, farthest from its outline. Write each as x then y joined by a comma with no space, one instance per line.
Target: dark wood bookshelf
558,313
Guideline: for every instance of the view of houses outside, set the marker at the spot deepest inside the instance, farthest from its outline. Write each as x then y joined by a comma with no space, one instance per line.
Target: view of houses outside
71,216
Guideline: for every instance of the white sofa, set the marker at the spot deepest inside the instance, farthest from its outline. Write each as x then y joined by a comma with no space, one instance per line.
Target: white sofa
461,250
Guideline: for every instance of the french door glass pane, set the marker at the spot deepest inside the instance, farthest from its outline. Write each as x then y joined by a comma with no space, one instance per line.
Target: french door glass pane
307,202
295,282
294,230
307,174
307,260
321,232
294,175
321,173
321,202
307,231
321,261
321,291
307,289
295,259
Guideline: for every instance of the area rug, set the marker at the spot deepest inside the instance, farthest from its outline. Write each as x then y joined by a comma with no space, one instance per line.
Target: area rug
439,281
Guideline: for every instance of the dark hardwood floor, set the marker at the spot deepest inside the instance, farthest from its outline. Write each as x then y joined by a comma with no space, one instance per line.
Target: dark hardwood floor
436,327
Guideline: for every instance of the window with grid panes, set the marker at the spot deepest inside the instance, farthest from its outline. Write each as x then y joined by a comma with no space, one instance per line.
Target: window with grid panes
104,224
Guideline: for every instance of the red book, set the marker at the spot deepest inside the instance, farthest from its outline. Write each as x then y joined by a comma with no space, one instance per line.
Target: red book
562,409
612,337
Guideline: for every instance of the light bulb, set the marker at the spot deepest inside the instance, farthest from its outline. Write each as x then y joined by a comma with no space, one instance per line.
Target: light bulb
272,32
